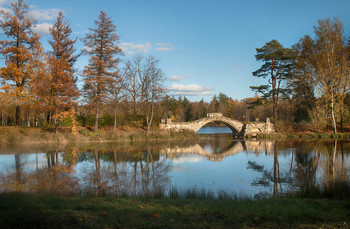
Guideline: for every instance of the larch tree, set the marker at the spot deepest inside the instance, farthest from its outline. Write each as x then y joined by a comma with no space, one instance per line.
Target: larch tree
278,65
61,82
102,70
17,51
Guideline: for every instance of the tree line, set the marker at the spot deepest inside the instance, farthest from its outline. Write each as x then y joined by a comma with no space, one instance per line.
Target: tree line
312,77
39,87
307,84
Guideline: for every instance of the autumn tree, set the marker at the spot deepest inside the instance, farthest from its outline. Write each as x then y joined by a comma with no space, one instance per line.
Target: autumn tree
325,57
39,69
278,64
16,50
102,70
60,91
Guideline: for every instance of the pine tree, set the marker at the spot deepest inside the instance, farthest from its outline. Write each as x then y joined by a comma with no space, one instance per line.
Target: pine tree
17,50
102,70
278,67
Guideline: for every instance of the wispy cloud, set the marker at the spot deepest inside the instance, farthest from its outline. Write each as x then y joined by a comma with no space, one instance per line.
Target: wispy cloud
42,14
189,89
164,47
178,78
43,28
4,6
131,48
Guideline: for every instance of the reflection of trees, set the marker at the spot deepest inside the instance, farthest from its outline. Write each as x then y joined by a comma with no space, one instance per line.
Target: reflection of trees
104,172
272,177
125,170
55,177
119,173
306,165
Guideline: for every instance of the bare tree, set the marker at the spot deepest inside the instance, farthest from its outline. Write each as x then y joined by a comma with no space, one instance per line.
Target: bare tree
144,85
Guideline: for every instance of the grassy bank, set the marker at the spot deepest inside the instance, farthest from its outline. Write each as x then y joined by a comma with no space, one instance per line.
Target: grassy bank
35,211
301,136
26,136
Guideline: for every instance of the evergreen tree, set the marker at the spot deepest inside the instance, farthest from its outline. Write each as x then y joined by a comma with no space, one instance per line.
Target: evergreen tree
278,67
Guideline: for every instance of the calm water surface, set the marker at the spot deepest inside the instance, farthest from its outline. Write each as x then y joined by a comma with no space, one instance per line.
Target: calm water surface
220,163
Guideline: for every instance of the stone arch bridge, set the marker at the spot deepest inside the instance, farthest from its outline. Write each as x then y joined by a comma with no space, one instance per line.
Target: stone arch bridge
237,127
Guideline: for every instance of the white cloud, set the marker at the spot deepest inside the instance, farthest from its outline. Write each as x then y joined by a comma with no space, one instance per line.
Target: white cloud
164,47
178,78
190,89
42,14
131,48
42,29
2,8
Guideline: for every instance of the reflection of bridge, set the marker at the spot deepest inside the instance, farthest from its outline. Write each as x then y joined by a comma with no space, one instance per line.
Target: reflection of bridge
237,127
234,148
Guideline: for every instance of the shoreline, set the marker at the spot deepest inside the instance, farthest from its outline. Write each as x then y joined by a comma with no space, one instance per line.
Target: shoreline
300,136
10,136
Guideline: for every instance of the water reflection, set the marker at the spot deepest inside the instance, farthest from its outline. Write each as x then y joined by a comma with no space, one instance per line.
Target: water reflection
249,167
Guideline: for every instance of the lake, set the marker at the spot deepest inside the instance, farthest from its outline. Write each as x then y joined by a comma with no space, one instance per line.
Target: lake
221,163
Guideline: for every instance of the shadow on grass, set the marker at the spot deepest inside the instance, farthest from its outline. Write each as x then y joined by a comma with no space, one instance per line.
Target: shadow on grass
20,210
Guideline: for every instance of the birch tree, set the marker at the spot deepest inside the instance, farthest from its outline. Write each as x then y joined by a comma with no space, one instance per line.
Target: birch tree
326,57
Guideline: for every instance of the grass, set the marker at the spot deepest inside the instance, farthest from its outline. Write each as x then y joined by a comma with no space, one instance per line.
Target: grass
301,136
29,136
19,210
335,189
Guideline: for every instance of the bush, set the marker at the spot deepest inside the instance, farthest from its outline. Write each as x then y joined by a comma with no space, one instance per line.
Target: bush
137,121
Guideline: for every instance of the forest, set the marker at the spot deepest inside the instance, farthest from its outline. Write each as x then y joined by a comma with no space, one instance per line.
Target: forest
307,85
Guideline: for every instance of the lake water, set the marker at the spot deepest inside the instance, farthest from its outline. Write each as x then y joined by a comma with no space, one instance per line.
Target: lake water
220,163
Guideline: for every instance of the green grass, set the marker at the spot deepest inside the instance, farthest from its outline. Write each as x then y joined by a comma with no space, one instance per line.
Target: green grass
20,210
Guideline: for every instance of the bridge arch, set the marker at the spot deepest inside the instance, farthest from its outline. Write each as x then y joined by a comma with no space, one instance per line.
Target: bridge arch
235,126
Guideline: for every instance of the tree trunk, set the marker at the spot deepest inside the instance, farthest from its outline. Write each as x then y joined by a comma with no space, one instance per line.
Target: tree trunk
115,119
342,118
18,115
150,119
28,119
97,118
333,116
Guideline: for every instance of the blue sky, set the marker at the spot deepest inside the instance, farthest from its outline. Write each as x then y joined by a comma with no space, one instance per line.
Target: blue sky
204,47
